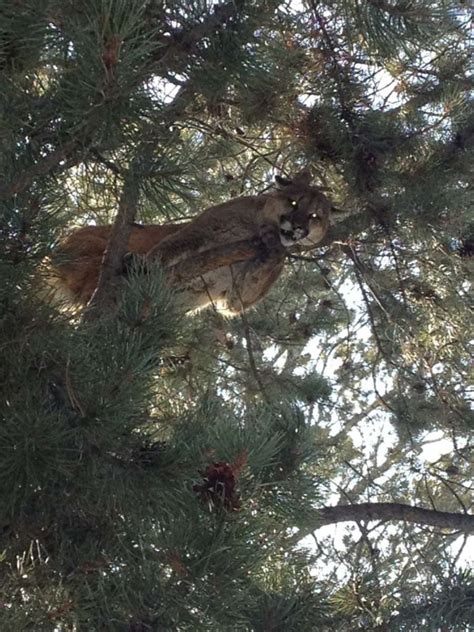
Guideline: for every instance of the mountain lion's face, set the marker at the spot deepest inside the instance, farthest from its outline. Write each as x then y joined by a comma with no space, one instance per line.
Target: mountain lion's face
305,222
304,213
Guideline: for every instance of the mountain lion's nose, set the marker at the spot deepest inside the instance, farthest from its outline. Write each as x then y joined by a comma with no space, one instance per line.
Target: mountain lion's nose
300,233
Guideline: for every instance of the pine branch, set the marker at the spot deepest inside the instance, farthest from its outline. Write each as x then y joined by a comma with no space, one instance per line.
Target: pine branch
388,512
221,14
339,74
400,11
181,42
66,153
462,140
60,159
178,45
377,210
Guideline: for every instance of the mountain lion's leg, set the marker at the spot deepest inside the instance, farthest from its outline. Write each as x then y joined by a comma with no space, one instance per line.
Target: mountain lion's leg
198,237
252,280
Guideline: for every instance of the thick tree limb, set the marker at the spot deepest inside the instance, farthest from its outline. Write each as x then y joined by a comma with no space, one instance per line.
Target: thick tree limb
389,511
212,259
352,225
107,294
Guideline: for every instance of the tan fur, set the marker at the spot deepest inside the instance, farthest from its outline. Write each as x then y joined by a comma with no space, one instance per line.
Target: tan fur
76,264
231,288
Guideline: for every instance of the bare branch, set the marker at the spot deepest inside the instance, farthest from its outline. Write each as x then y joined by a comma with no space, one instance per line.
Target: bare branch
389,511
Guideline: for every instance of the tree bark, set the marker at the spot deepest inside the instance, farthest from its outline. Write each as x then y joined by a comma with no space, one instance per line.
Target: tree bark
107,293
389,511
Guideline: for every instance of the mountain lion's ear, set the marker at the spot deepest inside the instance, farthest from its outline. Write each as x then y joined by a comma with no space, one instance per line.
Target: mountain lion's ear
283,182
302,177
338,214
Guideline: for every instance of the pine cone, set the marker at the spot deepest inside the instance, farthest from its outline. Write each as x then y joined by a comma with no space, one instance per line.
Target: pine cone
218,488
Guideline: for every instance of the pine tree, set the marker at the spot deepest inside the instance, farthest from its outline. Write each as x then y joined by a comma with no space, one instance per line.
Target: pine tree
166,472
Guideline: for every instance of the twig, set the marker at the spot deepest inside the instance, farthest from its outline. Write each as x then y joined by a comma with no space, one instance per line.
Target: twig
252,363
104,161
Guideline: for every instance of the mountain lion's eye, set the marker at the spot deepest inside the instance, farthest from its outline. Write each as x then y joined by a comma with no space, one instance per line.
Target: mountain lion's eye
314,216
293,203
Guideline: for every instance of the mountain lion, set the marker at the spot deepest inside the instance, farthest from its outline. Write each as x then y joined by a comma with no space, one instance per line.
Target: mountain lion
295,213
